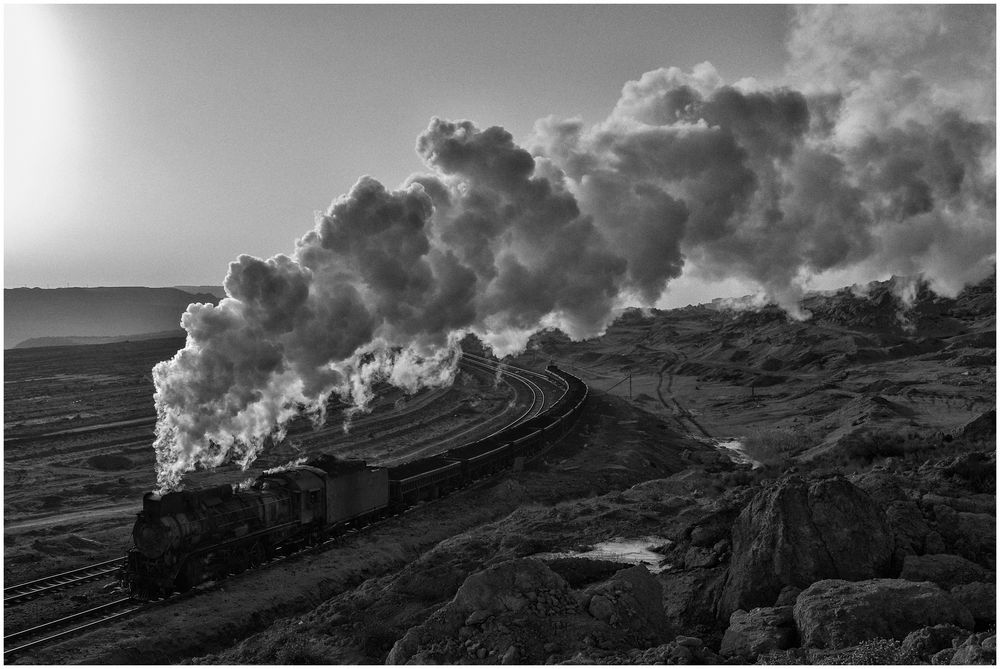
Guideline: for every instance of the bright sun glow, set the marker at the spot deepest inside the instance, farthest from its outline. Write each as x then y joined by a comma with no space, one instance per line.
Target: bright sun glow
41,130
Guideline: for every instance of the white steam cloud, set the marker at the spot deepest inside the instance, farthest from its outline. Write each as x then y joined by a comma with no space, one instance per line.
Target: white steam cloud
877,155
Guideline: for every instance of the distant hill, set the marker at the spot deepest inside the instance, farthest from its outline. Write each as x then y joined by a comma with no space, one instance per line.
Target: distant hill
218,291
81,313
39,342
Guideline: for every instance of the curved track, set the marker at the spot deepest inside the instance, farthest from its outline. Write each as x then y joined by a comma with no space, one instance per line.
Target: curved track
523,375
504,373
512,376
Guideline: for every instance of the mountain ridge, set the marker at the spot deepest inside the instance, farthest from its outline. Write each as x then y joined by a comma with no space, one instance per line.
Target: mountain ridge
104,311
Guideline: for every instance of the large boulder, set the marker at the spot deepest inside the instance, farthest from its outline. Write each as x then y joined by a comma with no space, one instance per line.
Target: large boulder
926,642
881,485
522,612
980,599
691,596
508,588
631,599
981,428
683,650
976,649
908,525
973,503
796,533
945,570
836,613
971,535
757,631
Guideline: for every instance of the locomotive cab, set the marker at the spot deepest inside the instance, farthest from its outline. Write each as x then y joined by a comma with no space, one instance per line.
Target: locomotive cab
306,486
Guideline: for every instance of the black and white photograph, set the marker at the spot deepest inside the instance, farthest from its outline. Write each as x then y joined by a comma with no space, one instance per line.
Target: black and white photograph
496,334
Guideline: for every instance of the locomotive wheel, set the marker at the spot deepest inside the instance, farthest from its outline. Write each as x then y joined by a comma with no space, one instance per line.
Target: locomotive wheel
240,564
255,555
189,575
144,592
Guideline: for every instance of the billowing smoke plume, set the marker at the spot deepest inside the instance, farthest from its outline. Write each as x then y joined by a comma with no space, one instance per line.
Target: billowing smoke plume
877,155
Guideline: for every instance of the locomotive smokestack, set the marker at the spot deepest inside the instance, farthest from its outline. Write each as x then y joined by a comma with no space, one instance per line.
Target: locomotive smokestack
858,164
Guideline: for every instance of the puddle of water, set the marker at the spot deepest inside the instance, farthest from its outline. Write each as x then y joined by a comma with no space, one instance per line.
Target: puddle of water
733,447
627,551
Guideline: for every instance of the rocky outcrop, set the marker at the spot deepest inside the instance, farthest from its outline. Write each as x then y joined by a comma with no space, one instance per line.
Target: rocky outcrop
682,650
971,535
981,601
981,428
977,470
881,485
796,533
945,570
908,527
836,613
926,642
629,599
976,649
509,587
972,503
691,596
757,631
521,612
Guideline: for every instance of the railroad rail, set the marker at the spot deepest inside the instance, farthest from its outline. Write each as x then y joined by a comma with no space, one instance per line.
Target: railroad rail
22,592
521,370
520,373
506,375
537,395
66,625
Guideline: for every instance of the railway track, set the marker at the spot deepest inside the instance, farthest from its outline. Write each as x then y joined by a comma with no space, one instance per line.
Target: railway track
80,621
524,375
506,375
537,394
393,426
22,592
74,623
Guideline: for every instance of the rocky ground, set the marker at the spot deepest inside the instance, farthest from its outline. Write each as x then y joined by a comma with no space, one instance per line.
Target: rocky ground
860,528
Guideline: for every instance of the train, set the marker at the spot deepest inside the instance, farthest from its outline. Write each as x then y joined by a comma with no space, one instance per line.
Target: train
183,538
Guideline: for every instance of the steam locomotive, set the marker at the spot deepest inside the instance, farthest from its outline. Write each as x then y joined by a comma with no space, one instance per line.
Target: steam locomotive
187,537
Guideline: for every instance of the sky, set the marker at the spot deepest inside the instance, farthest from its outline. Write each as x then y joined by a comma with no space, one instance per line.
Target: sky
153,144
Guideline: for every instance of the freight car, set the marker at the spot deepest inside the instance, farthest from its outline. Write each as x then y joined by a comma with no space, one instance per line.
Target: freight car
184,538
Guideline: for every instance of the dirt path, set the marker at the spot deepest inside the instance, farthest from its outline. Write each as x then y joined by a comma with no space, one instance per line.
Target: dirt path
680,413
